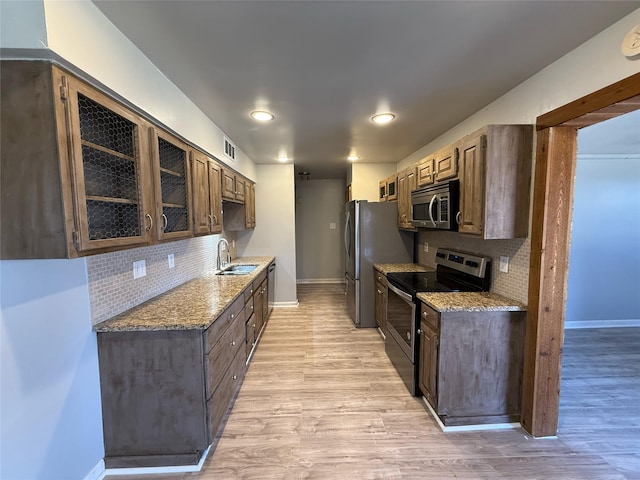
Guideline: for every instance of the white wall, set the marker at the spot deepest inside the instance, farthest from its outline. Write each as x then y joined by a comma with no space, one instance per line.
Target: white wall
320,249
595,64
365,178
22,24
275,232
96,46
50,410
604,262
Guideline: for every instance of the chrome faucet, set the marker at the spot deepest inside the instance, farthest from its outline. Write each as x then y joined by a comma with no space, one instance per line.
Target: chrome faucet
220,264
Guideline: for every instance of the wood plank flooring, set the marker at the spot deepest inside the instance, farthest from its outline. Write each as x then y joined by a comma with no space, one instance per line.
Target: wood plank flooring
321,400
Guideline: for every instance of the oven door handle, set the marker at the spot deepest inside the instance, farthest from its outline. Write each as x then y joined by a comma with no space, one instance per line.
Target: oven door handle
403,295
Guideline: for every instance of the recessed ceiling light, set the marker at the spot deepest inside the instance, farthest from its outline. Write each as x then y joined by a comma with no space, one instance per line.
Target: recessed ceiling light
353,158
283,159
382,118
261,115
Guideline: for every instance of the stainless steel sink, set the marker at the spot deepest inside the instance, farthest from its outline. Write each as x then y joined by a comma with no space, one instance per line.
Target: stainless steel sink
237,270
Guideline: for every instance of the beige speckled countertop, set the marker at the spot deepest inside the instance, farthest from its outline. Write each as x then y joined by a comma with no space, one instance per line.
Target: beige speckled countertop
470,302
190,306
401,267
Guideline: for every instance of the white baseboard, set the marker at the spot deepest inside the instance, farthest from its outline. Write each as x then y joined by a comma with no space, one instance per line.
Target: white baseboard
467,428
320,280
97,473
286,304
634,322
160,470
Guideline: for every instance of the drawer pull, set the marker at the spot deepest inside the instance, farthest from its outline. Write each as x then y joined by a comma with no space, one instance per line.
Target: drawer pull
234,377
425,314
233,344
232,316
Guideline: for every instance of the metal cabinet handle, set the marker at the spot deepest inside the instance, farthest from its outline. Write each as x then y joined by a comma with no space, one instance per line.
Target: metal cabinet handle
234,377
233,315
425,314
233,344
251,307
254,326
419,332
215,220
146,215
166,222
380,291
458,218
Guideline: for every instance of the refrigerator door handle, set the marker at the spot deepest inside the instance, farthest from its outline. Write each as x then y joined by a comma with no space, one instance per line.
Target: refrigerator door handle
347,235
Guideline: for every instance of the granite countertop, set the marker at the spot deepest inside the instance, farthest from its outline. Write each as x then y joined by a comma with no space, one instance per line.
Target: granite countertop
387,268
470,302
194,305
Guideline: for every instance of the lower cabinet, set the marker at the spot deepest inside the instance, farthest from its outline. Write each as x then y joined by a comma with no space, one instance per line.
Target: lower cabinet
471,364
380,308
165,393
257,298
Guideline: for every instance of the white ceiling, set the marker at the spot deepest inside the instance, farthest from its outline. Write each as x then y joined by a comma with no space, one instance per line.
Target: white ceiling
325,67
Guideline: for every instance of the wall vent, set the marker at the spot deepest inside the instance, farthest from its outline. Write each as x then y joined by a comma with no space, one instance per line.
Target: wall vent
229,149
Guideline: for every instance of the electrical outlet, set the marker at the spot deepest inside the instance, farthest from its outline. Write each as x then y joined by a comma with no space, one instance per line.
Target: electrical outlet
171,260
139,269
426,247
504,264
332,226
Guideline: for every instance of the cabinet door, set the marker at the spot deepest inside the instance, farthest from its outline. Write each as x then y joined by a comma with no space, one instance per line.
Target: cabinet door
402,198
201,217
446,163
428,364
249,205
215,198
173,187
392,188
425,172
472,159
228,184
382,190
113,195
240,184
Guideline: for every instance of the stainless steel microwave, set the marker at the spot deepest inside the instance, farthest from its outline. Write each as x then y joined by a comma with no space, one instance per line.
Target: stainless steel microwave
436,206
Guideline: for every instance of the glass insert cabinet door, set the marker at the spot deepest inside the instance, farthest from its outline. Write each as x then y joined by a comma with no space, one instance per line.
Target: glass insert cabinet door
108,148
173,195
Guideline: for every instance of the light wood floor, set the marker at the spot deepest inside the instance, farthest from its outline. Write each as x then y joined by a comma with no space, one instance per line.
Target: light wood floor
322,401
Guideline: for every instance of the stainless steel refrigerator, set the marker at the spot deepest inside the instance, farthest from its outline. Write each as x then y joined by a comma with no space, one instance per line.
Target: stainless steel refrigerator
371,236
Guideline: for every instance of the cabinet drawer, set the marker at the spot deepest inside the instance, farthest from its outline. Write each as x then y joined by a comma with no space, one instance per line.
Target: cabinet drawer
222,353
259,279
248,294
430,316
381,278
218,327
221,400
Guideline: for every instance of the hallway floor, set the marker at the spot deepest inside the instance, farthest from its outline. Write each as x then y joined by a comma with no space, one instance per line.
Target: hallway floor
321,400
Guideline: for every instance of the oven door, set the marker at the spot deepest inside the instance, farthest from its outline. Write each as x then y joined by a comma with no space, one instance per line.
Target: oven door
401,320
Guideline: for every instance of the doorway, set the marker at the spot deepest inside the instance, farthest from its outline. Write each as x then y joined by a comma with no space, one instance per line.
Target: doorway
556,152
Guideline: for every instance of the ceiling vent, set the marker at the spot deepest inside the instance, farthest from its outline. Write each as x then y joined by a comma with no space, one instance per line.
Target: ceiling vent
229,149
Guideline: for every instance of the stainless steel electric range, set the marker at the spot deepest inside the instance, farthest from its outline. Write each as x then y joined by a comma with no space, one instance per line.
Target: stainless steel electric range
455,272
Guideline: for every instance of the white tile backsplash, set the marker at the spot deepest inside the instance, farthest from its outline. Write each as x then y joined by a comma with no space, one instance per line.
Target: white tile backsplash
514,285
113,290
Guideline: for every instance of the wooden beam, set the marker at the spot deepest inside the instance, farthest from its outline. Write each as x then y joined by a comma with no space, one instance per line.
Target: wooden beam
618,92
551,228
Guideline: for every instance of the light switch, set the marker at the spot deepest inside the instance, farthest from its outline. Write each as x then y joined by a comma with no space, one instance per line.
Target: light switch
139,269
504,264
171,260
332,226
